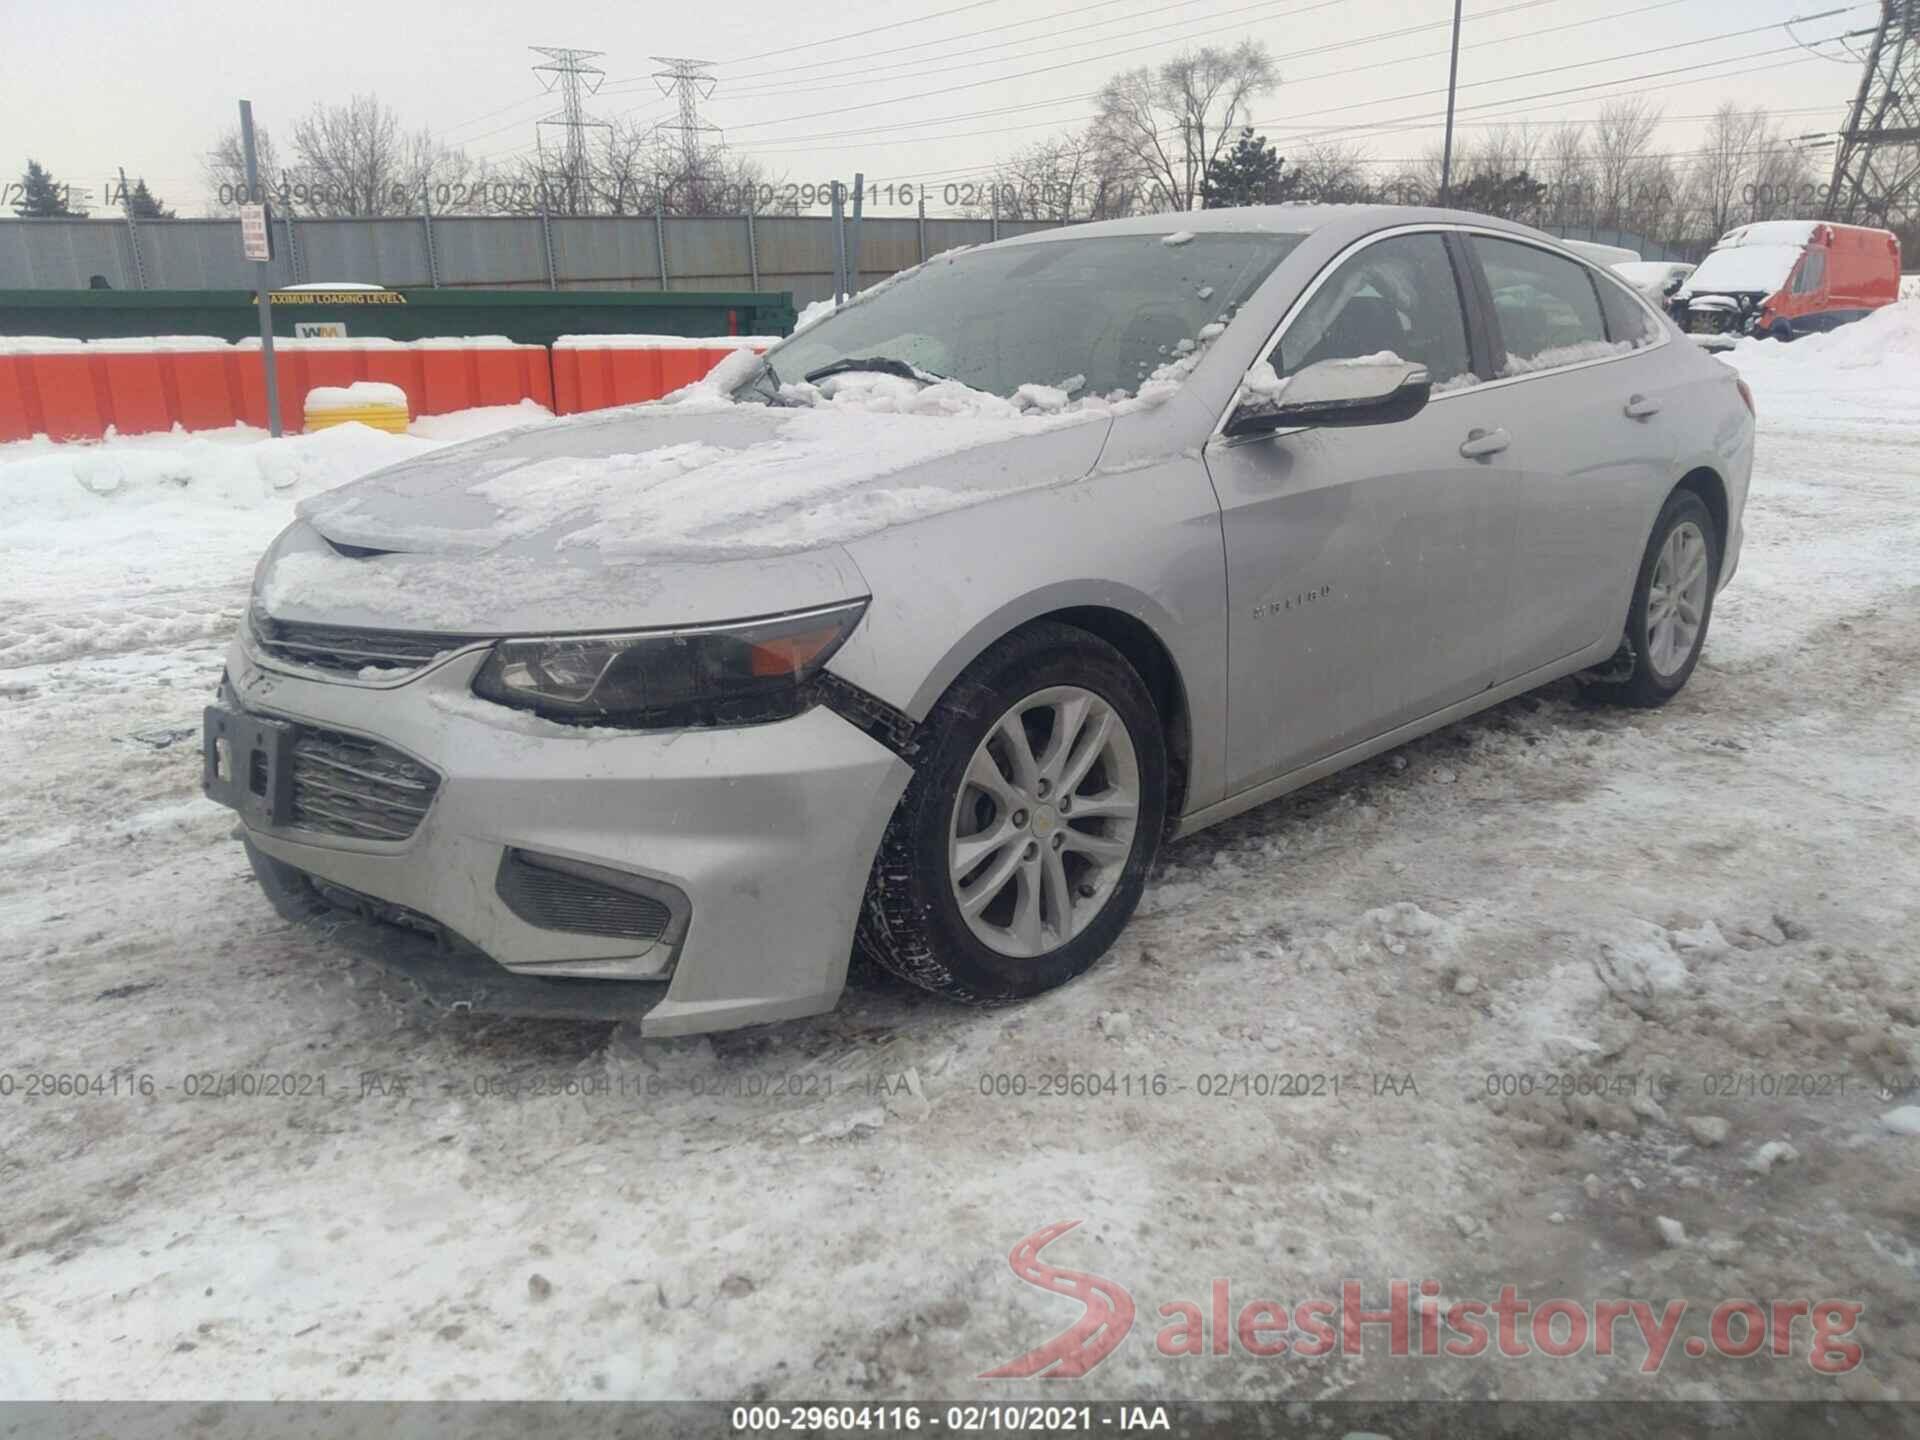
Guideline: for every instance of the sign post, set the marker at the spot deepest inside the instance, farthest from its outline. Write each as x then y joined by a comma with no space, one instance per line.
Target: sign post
256,238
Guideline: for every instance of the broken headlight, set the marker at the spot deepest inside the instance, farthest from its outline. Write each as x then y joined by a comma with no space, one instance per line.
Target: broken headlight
744,672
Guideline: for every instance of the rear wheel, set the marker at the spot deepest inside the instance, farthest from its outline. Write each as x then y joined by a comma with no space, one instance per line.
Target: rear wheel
1672,603
1023,841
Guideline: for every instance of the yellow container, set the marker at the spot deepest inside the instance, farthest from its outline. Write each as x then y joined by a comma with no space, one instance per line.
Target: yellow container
391,418
382,406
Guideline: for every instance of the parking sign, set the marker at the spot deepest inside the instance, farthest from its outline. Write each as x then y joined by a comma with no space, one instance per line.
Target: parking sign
256,237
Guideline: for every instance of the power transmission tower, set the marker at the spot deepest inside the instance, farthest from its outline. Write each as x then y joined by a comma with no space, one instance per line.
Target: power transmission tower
690,82
1877,160
568,72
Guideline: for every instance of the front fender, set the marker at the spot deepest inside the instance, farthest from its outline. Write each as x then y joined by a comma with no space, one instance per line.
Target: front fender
1144,542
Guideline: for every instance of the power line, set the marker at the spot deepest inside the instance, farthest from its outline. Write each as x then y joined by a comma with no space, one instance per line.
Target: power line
857,34
1428,120
895,125
873,55
1322,4
1019,75
866,76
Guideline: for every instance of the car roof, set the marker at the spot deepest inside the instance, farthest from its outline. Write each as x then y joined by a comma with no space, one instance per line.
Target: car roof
1290,219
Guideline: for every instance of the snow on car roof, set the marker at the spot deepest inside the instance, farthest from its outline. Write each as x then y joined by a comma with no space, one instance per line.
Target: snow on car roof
1769,232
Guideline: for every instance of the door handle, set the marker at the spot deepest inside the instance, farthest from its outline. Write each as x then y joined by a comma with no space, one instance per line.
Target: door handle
1481,443
1639,407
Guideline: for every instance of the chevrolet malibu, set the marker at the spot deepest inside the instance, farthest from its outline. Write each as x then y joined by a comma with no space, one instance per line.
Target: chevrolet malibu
918,635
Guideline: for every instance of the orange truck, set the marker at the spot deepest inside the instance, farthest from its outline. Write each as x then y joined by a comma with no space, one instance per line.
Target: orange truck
1783,278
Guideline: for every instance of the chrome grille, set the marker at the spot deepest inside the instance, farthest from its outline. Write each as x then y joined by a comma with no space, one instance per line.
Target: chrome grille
344,785
347,651
557,900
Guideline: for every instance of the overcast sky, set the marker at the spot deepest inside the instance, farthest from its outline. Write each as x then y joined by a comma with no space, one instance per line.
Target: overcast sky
93,84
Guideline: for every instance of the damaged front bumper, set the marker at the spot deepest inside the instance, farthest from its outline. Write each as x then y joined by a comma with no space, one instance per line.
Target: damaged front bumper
694,879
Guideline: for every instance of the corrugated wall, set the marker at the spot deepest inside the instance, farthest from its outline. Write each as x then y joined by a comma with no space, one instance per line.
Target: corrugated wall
793,253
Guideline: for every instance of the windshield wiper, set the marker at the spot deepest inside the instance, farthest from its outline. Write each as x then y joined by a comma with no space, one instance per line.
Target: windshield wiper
765,383
880,364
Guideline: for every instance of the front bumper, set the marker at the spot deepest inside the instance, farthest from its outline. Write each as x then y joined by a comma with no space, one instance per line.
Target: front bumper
765,834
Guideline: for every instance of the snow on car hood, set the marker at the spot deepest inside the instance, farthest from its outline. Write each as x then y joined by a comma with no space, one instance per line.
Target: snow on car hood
1743,269
699,510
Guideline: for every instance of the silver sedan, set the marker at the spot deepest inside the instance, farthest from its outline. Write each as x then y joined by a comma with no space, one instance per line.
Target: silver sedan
923,632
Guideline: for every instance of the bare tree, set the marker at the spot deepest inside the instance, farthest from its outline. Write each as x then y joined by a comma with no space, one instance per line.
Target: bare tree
1068,177
355,159
1567,167
1330,172
1724,165
351,159
225,169
1783,184
1622,137
1164,125
635,169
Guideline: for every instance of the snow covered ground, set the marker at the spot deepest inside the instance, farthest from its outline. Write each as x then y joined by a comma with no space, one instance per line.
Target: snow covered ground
1720,893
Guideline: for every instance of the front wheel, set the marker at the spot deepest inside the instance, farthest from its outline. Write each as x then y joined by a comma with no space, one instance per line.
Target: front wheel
1023,841
1672,603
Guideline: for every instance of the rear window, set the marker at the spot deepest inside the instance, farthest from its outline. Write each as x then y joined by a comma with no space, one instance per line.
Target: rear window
1627,319
1548,310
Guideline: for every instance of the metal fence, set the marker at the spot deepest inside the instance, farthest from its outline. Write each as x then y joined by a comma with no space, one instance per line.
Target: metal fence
736,252
1627,239
785,252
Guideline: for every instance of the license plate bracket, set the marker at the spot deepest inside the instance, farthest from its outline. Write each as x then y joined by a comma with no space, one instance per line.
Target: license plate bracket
246,765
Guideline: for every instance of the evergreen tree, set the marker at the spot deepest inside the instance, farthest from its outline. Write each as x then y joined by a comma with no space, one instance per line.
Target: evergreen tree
1248,174
143,204
42,197
1511,197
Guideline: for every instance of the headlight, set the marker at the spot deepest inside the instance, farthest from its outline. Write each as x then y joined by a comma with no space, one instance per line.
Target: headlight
742,673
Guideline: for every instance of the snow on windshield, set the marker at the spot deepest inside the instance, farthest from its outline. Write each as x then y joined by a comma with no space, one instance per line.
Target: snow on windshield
1115,310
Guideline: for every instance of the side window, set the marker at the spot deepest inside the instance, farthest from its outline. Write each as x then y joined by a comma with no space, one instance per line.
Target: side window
1546,306
1627,318
1812,273
1396,295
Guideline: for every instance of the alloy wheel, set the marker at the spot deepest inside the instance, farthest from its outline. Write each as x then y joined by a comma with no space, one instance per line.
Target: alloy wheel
1677,598
1044,822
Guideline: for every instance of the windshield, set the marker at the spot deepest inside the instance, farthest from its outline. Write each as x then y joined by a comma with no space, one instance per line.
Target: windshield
1093,317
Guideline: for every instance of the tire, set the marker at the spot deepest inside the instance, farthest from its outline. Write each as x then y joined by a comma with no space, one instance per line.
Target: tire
1661,665
1039,679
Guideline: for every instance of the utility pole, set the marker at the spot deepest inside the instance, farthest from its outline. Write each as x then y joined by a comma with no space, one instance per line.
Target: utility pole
1453,77
568,73
690,82
1877,162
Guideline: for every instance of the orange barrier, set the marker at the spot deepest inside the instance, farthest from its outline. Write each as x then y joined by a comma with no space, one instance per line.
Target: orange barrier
592,372
72,391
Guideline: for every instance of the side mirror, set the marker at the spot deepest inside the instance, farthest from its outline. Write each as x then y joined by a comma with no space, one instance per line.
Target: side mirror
1372,390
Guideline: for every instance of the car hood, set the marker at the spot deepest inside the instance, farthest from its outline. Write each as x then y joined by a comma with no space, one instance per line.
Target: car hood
659,514
1743,270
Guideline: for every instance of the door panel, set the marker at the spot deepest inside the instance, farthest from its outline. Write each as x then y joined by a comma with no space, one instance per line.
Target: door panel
1366,580
1366,565
1597,451
1590,479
